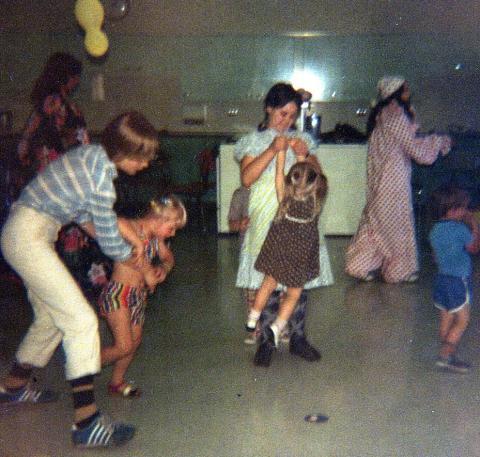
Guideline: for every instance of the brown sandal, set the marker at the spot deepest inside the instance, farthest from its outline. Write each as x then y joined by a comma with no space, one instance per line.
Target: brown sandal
125,389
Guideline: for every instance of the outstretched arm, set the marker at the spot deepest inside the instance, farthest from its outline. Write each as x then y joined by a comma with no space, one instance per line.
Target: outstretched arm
128,233
422,149
302,152
280,175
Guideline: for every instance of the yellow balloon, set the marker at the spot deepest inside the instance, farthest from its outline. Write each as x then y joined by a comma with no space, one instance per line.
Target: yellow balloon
89,13
96,42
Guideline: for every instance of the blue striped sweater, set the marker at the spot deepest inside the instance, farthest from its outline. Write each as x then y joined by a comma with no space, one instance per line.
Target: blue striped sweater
78,187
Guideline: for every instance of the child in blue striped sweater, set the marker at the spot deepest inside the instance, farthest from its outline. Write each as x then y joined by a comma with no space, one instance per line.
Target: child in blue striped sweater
78,187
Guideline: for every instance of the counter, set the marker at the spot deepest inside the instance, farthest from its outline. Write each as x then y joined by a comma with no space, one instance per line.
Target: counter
345,168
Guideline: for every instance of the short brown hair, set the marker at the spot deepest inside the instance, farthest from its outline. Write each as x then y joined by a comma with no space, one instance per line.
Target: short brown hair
130,135
448,197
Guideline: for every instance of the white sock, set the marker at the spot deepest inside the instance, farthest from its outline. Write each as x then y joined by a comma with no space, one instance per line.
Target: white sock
280,324
277,328
253,317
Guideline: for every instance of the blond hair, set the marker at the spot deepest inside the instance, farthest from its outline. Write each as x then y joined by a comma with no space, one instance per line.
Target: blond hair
165,207
304,180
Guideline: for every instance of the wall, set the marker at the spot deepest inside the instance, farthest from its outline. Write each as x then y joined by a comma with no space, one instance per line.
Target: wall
221,57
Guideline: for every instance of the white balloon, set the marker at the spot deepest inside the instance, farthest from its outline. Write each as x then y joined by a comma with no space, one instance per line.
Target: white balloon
116,9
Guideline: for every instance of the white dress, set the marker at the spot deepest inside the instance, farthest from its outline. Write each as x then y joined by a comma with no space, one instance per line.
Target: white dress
263,206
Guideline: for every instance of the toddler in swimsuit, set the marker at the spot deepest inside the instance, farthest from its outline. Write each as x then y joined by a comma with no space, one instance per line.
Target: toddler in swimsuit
123,300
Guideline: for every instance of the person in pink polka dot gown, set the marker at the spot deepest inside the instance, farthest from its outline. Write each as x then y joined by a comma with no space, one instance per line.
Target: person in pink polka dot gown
385,238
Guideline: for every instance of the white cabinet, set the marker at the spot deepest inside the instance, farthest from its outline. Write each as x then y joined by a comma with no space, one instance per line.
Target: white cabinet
345,167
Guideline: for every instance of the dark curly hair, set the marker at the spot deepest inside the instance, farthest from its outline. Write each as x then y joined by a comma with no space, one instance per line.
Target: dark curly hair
60,67
279,95
377,109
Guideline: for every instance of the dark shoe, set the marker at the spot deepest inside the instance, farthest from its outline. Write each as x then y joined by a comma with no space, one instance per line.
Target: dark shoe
302,348
27,394
412,278
263,356
453,364
102,432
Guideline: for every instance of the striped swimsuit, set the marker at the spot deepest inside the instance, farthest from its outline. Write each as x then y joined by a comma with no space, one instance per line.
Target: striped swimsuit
116,294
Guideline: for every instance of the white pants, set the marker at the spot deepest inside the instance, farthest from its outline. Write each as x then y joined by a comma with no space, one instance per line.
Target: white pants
61,312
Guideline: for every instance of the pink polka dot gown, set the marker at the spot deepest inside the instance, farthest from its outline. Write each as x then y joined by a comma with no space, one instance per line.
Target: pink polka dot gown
385,238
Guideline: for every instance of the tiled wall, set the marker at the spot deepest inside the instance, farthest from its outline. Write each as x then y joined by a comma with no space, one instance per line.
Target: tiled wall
227,76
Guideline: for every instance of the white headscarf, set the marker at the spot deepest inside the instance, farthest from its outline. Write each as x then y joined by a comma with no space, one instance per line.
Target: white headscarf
388,85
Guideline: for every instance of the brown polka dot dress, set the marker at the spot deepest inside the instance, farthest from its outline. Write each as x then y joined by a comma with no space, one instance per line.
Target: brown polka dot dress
290,251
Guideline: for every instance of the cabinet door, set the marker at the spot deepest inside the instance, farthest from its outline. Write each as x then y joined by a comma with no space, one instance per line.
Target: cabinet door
345,166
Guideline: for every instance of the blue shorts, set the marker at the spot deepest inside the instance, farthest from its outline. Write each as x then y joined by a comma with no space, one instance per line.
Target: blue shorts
451,293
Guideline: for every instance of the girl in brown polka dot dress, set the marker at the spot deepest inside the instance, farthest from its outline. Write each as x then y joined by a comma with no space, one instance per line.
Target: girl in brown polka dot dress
289,255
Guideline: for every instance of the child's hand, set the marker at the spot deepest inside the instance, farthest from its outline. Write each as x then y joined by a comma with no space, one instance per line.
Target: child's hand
243,225
470,220
446,146
299,147
154,276
89,229
138,253
280,143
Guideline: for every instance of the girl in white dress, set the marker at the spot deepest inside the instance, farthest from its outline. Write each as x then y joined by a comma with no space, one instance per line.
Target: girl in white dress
256,153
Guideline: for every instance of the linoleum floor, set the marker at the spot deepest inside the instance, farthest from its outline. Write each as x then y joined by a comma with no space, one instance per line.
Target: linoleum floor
204,398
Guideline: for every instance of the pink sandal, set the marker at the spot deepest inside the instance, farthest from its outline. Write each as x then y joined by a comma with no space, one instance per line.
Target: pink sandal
125,390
